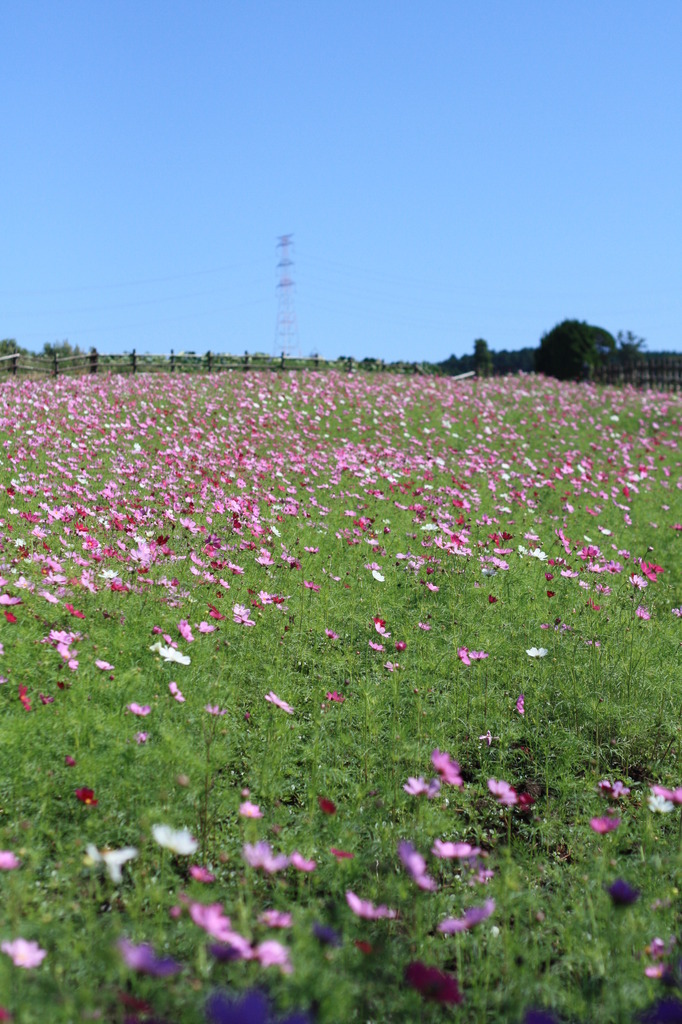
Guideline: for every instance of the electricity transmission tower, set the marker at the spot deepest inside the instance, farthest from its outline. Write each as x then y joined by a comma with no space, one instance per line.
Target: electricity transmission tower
286,330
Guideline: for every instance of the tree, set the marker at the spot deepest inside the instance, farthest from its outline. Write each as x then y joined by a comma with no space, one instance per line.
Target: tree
629,346
60,349
483,358
572,349
8,347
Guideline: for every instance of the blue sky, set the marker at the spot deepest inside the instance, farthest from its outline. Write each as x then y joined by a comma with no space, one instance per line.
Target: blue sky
448,170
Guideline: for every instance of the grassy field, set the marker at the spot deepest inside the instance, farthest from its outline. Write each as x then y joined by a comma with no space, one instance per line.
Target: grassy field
361,692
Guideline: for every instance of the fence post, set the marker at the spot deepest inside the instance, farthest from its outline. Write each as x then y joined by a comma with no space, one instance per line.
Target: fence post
133,361
93,360
246,361
209,360
349,364
317,361
282,363
15,359
172,361
55,364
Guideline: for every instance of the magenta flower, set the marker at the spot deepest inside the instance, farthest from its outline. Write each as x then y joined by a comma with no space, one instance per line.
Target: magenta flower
331,634
23,953
674,795
185,631
463,655
432,983
366,909
506,794
249,810
201,874
642,613
275,919
604,825
173,687
301,863
8,861
311,586
520,704
141,737
417,787
274,699
214,709
472,917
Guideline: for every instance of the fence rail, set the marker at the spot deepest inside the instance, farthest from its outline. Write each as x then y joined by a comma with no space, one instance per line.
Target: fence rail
185,362
662,373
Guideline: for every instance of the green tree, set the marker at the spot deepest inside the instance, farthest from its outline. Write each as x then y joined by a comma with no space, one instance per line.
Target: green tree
630,347
572,349
8,347
483,358
60,349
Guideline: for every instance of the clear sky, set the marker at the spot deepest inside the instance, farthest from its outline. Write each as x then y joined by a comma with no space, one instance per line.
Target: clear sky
449,170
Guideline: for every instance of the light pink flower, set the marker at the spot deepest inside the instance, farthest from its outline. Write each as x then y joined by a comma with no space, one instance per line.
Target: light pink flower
415,865
141,737
23,953
463,655
274,699
275,919
331,634
206,627
201,874
505,793
472,917
249,810
520,704
273,954
241,615
8,860
424,625
366,909
259,855
139,709
104,665
454,851
642,613
417,787
214,709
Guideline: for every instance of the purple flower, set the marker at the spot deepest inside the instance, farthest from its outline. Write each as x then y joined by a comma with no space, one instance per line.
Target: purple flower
251,1008
326,935
432,983
415,865
143,959
472,917
622,894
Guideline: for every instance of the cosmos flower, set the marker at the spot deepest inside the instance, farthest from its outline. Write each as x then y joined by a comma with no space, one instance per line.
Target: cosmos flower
537,652
144,960
24,953
113,860
366,909
179,841
471,917
170,654
274,699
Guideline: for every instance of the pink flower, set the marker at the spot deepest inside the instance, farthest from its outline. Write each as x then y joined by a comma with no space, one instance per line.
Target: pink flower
638,582
201,874
454,851
24,954
249,810
604,825
298,861
674,795
400,645
139,709
104,665
472,917
376,647
141,737
241,615
311,586
259,855
424,625
520,704
8,861
367,910
448,769
642,613
415,787
273,954
274,699
505,793
275,919
206,627
185,630
336,697
173,687
214,709
331,634
415,865
463,655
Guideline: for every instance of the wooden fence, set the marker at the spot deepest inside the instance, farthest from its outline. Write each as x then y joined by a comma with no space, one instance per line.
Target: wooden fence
664,374
211,362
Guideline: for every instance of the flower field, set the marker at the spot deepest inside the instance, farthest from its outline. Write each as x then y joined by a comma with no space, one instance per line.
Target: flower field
328,698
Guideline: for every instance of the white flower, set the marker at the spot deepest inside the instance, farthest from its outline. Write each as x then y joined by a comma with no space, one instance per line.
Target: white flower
536,553
659,804
489,572
377,576
537,652
170,654
108,574
112,859
180,841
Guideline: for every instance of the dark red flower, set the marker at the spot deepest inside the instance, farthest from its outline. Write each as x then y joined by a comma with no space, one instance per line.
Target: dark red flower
550,593
432,983
491,599
10,618
69,761
74,611
342,854
364,947
326,806
86,796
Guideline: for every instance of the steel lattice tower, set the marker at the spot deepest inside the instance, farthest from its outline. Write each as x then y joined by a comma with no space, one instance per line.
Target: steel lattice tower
286,331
